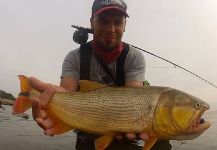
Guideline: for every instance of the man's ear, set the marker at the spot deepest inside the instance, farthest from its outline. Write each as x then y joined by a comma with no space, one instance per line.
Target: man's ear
125,22
91,23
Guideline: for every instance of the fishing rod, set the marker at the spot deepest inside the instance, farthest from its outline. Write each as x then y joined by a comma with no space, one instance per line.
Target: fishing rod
80,36
176,65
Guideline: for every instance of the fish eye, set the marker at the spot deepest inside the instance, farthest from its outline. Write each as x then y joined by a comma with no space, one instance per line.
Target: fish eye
198,105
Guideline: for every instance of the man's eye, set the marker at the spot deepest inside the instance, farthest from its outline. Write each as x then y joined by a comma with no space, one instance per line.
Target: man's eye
104,22
118,22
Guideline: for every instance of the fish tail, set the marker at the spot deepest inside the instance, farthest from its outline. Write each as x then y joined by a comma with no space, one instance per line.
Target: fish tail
23,102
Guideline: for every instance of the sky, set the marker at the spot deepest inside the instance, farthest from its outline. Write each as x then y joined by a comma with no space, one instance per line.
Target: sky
35,36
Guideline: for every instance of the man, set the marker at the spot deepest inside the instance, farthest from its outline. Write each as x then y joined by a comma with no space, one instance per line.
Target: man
108,23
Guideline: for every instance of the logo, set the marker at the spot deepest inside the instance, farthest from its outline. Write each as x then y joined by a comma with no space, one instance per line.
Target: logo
112,2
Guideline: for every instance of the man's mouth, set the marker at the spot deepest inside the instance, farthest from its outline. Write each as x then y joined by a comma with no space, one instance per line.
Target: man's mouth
109,38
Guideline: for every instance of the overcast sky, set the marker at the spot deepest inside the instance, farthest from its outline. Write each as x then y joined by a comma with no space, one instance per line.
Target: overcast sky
35,36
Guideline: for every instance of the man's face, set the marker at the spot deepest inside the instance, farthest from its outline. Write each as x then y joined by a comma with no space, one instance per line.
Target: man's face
108,28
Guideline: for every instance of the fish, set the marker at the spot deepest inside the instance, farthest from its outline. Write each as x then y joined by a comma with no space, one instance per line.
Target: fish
161,112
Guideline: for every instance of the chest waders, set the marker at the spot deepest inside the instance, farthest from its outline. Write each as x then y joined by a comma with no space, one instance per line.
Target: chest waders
84,138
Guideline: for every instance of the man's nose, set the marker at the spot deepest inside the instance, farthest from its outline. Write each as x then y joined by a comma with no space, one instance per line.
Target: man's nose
111,26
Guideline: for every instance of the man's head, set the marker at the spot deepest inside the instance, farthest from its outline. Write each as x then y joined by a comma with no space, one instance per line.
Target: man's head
100,6
108,22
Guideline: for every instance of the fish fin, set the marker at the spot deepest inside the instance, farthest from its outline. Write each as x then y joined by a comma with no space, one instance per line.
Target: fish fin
24,84
58,126
103,142
22,102
149,143
86,85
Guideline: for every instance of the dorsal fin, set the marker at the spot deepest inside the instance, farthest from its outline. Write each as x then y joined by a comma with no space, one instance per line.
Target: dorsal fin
86,85
24,84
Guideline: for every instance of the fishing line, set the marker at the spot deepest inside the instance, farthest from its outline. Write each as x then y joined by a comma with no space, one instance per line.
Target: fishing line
80,36
176,65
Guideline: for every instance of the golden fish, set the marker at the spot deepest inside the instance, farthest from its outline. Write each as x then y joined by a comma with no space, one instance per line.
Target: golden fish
161,112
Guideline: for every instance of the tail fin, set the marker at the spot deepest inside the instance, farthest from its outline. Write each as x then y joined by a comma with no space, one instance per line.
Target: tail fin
22,102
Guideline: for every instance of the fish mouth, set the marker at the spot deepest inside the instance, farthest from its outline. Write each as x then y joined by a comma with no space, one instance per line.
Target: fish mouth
199,125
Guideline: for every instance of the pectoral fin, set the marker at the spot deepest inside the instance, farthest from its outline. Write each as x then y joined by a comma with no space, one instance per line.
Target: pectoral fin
58,126
21,104
86,85
149,143
103,142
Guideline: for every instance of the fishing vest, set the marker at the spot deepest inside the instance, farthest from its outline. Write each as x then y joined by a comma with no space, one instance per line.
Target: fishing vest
85,58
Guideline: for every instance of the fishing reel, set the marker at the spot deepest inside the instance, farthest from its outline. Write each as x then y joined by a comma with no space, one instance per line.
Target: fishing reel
80,36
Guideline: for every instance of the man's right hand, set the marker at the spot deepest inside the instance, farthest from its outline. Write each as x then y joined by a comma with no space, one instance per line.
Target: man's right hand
39,104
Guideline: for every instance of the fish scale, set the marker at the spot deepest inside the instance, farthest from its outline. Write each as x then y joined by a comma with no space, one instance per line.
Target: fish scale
108,108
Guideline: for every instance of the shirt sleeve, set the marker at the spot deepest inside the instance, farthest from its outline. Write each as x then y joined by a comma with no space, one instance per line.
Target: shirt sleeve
71,65
135,65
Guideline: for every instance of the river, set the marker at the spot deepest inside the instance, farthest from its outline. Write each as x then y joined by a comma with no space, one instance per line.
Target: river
20,134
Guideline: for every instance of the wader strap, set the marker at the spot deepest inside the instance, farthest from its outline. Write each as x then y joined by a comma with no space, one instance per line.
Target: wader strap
120,74
85,58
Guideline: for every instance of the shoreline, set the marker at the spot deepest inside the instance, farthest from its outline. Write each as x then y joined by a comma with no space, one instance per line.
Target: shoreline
6,102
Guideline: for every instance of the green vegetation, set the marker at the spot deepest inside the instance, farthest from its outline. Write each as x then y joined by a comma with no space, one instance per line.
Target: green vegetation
5,95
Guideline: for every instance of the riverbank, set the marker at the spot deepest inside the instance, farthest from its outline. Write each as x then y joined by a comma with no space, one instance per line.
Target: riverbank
6,102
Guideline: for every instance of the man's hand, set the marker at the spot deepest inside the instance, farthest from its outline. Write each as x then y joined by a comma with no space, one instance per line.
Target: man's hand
132,136
40,103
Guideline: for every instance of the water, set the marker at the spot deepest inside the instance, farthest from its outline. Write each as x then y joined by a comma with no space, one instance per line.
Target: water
18,134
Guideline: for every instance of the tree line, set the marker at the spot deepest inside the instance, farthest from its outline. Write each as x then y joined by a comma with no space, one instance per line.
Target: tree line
5,95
